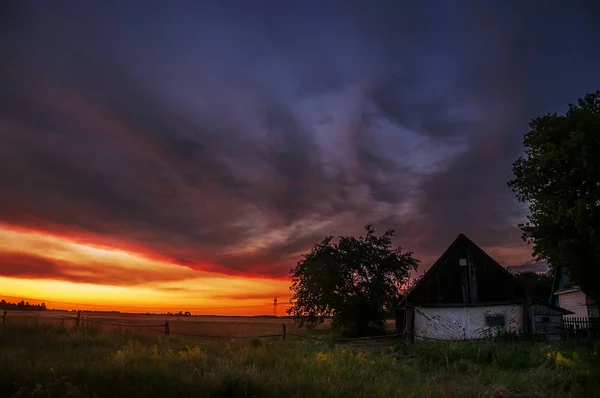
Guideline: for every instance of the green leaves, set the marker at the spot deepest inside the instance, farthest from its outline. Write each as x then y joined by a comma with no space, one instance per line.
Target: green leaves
559,178
540,285
353,280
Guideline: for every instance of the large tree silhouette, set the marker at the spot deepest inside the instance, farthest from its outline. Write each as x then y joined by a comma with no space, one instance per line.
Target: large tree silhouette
559,178
354,280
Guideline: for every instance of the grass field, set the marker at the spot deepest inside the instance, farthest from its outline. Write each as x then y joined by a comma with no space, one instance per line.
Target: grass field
45,360
203,325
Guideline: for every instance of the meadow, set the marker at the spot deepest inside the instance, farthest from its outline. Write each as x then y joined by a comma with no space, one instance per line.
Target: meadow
45,359
201,325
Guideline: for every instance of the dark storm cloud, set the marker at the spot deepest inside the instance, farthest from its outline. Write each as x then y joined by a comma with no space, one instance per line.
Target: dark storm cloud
233,136
31,266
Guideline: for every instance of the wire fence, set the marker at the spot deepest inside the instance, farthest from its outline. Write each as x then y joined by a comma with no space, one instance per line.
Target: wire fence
165,328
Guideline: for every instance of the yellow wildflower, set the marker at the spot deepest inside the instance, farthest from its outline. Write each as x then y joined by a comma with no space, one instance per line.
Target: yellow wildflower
321,357
361,356
561,361
154,351
120,357
194,353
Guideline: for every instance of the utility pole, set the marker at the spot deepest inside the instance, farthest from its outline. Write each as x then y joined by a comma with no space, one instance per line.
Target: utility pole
275,306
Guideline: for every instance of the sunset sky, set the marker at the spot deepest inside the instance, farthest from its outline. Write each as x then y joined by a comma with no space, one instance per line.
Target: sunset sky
181,155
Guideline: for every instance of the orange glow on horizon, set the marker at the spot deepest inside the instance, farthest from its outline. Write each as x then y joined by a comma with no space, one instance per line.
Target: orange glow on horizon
69,274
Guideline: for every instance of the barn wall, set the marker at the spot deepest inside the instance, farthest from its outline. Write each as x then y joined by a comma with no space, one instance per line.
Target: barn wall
547,321
573,301
548,325
460,323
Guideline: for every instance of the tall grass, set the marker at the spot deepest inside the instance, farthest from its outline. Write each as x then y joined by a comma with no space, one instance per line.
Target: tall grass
47,361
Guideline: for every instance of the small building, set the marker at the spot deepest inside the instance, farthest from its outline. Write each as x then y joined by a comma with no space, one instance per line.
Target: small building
466,294
569,296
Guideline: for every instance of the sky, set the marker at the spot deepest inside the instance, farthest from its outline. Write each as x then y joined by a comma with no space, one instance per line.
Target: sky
183,155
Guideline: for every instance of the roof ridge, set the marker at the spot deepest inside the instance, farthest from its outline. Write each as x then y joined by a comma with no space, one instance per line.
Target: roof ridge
459,237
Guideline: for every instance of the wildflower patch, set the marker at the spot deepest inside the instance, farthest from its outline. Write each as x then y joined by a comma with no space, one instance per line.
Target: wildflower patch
559,360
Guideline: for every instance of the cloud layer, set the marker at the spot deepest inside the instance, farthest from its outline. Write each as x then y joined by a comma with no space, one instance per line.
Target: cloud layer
230,137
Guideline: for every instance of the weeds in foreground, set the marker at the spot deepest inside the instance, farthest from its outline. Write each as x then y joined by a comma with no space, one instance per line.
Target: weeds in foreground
54,362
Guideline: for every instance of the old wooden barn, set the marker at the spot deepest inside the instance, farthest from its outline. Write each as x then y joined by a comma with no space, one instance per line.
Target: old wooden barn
466,294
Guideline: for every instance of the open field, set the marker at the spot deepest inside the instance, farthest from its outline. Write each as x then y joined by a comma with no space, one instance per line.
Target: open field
202,325
54,361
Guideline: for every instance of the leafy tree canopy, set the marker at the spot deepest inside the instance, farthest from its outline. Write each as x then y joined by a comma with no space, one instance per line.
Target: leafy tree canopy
353,280
559,178
538,284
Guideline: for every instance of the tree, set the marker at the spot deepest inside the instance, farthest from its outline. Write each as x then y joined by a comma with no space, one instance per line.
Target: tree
22,306
414,282
354,280
559,178
538,284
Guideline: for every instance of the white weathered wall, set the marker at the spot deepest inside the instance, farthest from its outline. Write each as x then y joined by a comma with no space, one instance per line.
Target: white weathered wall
573,301
459,323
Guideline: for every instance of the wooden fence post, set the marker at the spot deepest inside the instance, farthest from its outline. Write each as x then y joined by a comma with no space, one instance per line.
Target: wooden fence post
78,318
167,328
283,332
4,317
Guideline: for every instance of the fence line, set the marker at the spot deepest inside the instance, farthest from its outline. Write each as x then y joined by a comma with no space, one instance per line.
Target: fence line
581,327
208,336
133,325
579,323
162,331
306,337
166,329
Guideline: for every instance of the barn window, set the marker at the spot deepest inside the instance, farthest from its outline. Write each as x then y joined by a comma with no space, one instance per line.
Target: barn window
497,320
545,319
462,262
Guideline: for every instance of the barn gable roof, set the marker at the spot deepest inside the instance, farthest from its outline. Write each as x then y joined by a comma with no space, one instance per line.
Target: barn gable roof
466,275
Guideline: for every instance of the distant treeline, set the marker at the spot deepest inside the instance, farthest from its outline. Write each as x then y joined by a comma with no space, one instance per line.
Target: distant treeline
22,306
180,313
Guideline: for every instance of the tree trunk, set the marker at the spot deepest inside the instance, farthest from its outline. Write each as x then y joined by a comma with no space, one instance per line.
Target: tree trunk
362,327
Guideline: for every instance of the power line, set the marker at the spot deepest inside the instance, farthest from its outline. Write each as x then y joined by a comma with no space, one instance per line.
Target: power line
136,307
